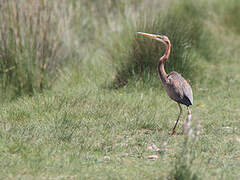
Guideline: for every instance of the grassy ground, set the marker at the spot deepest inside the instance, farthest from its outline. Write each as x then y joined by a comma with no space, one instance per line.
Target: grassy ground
82,128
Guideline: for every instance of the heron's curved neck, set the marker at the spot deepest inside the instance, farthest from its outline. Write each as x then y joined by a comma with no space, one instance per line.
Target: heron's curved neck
162,60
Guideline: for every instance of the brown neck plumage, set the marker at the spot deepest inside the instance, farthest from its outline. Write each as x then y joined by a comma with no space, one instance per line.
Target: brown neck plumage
162,60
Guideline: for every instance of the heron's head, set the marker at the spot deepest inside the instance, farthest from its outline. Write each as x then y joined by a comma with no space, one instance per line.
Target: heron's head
161,38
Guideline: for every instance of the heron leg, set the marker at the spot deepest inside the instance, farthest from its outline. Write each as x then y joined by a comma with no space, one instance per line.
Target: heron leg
180,113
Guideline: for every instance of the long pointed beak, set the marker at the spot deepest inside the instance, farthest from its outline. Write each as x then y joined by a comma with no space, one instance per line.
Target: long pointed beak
152,36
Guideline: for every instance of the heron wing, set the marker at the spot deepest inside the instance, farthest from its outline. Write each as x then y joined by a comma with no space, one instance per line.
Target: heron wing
179,88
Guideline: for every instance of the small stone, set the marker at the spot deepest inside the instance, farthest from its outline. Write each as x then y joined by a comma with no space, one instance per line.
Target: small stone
150,148
238,139
153,147
106,158
227,127
153,157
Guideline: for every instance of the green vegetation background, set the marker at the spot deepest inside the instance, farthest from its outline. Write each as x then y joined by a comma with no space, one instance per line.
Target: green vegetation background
81,97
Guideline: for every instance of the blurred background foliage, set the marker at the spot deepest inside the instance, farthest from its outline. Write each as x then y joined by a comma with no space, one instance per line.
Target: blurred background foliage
40,42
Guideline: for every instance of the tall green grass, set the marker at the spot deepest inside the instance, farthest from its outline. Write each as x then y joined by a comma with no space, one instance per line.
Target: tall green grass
32,47
134,56
37,38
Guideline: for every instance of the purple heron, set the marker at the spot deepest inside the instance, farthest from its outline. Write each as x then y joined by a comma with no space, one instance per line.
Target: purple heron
178,89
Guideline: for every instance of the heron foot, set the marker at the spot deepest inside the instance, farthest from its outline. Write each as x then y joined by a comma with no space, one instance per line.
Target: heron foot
173,132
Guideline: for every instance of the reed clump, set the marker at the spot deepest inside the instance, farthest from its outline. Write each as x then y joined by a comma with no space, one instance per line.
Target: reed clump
31,45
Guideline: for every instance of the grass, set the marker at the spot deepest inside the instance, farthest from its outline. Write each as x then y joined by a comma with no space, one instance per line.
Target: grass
79,129
133,56
31,52
48,136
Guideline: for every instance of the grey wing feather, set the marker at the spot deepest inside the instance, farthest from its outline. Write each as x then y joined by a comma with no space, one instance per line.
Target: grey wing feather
179,88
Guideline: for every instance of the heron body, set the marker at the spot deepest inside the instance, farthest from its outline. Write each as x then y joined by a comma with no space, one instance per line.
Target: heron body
178,89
